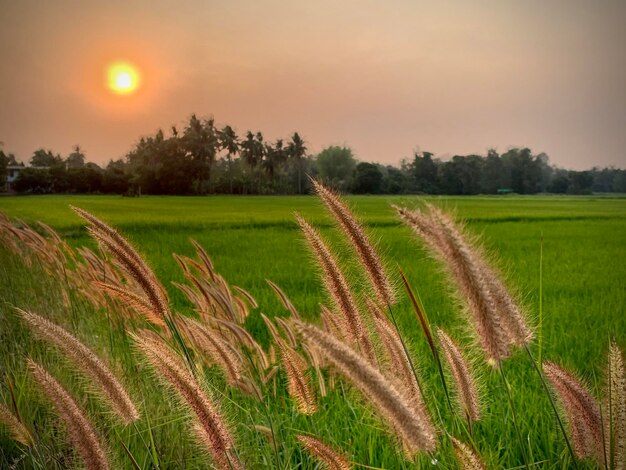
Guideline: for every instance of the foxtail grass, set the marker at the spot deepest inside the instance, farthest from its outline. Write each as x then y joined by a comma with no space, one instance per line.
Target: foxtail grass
130,260
88,364
497,318
467,391
466,456
328,457
81,431
338,289
368,257
411,425
16,428
581,411
614,409
209,425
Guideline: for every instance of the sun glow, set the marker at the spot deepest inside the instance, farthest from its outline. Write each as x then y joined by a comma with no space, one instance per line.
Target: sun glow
123,78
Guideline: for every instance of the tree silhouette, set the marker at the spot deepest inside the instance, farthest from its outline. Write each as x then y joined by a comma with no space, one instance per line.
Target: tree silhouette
296,151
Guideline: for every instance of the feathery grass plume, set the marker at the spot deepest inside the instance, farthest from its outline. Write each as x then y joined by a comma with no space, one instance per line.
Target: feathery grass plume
368,256
133,300
337,286
209,268
209,426
81,431
461,263
467,392
16,428
214,348
284,299
330,458
130,260
88,363
245,339
615,409
581,410
511,316
468,459
414,429
298,380
398,368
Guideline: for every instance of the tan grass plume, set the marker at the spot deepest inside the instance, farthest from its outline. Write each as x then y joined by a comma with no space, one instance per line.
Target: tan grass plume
16,428
209,425
330,458
81,431
464,266
397,366
467,392
615,409
88,363
581,410
370,261
414,429
468,459
511,315
214,348
298,380
130,260
337,286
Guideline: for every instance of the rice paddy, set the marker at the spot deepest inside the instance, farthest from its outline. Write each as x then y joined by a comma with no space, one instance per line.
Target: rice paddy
564,257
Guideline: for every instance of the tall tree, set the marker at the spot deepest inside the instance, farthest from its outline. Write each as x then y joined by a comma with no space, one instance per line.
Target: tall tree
45,158
335,166
229,142
368,179
201,142
296,149
76,159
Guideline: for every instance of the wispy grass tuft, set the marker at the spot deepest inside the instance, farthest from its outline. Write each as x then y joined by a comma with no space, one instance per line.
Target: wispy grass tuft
81,431
87,362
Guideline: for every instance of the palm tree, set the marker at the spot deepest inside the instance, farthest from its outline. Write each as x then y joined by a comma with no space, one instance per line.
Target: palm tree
228,141
249,151
274,157
296,151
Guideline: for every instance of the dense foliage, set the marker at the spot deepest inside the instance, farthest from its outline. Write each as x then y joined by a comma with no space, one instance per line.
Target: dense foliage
206,159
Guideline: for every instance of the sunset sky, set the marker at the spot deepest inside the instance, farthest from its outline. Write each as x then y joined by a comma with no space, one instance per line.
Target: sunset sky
385,78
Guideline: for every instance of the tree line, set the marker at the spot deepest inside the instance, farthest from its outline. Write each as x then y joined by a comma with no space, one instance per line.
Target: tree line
203,158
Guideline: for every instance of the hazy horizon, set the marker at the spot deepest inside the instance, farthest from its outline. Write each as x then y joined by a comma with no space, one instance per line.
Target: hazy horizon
385,80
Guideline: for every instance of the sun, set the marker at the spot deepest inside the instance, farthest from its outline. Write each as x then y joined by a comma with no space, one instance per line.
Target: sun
123,78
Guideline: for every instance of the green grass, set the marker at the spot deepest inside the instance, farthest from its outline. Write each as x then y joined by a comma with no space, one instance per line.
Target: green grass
255,238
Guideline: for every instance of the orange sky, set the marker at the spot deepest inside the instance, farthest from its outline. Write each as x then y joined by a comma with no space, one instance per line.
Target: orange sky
385,78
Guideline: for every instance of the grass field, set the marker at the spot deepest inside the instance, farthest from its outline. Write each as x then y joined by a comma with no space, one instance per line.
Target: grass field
251,239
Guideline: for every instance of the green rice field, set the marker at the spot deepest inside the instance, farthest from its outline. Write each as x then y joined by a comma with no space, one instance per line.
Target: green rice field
572,250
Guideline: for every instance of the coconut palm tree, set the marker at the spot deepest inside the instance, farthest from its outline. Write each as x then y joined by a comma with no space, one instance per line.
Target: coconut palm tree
296,151
229,141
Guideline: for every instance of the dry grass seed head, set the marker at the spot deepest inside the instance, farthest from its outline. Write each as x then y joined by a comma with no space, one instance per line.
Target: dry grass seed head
415,430
461,265
581,410
330,458
88,363
298,380
81,431
130,260
509,311
615,409
370,261
284,299
16,428
209,425
213,348
338,289
467,391
468,459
